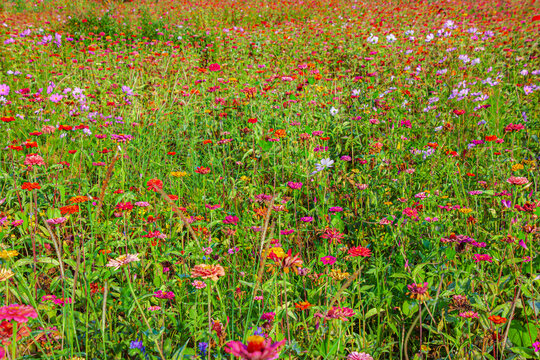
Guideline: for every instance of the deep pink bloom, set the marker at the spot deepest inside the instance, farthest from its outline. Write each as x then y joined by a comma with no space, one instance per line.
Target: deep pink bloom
328,260
257,348
19,313
482,257
214,67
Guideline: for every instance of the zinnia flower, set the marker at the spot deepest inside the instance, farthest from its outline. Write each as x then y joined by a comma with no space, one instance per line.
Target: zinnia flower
359,356
34,159
418,291
153,183
122,260
19,313
359,251
517,180
257,348
208,271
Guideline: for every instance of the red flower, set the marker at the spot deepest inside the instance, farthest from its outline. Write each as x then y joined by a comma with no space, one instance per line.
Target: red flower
202,170
207,142
171,153
491,137
497,319
252,121
359,251
153,183
72,151
7,119
459,112
70,209
65,127
470,174
536,18
30,186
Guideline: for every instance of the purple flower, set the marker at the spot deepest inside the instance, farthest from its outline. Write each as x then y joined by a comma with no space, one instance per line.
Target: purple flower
346,158
536,346
56,98
306,219
506,203
286,232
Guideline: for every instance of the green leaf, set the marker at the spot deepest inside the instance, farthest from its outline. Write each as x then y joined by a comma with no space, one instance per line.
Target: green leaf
520,335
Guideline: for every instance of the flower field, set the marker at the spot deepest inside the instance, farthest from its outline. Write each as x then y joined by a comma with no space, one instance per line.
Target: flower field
255,179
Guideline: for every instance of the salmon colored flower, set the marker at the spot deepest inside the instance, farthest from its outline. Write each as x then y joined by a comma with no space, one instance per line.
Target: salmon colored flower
208,271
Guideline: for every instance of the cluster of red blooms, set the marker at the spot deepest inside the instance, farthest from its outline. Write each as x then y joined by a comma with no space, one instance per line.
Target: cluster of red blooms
30,186
70,209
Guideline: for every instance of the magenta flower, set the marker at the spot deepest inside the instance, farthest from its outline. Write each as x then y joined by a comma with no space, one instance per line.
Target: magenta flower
19,313
328,260
335,209
482,257
257,348
294,185
231,220
56,98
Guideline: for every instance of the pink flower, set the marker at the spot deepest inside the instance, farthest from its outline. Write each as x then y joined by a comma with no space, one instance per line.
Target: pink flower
19,313
469,315
154,308
336,312
231,220
328,260
410,212
198,284
257,348
482,257
359,356
34,159
214,67
514,180
122,260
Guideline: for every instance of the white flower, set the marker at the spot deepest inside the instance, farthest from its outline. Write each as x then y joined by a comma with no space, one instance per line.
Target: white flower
430,37
391,38
324,164
372,39
333,111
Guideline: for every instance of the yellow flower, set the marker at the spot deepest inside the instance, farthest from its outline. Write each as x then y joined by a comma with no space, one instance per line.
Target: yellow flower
388,203
8,254
245,178
465,210
338,275
178,174
517,167
277,251
233,79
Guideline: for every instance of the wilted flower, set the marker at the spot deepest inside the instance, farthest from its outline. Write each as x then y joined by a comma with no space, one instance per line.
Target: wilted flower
418,291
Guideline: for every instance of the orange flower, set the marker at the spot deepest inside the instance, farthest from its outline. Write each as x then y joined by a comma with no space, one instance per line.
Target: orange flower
303,305
491,138
497,319
78,199
280,133
70,209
